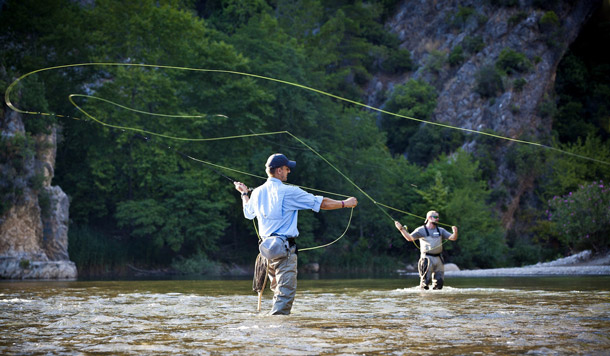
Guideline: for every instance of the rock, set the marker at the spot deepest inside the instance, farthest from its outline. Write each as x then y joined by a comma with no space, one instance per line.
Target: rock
424,27
34,241
21,268
313,267
55,225
451,267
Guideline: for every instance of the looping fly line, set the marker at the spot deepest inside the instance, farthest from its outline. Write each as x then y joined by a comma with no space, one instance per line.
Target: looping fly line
379,205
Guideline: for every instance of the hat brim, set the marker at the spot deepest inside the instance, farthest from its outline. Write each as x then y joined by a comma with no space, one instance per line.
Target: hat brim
291,164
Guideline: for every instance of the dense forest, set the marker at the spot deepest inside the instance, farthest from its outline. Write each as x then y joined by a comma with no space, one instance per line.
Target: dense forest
145,151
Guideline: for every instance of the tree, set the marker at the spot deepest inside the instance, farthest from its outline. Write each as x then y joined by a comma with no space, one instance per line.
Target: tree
413,99
582,217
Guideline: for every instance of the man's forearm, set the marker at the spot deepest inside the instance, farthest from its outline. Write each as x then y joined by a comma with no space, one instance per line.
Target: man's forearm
331,204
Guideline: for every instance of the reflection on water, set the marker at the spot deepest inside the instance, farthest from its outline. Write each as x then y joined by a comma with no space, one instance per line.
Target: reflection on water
333,317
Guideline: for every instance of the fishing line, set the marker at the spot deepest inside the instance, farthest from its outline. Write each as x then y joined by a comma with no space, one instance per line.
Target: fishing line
213,166
7,100
142,131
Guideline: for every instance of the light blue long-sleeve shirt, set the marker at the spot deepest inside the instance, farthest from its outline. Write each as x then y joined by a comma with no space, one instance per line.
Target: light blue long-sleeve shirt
276,206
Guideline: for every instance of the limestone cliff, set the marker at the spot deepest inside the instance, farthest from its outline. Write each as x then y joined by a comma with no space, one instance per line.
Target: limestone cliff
432,30
34,222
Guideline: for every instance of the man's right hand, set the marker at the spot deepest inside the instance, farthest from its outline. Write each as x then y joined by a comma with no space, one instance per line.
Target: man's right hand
241,187
398,225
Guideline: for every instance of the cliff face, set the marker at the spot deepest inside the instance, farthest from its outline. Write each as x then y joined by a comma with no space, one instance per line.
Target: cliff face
33,240
432,29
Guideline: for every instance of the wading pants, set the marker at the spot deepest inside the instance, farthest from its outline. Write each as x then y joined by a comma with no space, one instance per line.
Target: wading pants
283,278
431,272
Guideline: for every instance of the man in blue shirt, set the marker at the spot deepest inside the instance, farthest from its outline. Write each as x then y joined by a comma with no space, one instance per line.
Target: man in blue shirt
276,207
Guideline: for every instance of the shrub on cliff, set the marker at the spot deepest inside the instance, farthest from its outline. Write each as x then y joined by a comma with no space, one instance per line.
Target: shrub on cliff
511,62
488,81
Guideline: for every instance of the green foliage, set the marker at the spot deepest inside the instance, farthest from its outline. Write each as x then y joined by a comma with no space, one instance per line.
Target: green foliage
431,141
488,81
582,217
199,264
547,108
570,125
474,44
464,15
524,160
510,62
583,104
413,99
44,202
94,251
141,202
24,264
397,61
566,172
436,195
174,219
435,61
550,26
16,153
549,20
518,84
456,56
481,242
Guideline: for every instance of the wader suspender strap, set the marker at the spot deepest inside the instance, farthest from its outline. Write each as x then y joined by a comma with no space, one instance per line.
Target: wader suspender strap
428,234
437,230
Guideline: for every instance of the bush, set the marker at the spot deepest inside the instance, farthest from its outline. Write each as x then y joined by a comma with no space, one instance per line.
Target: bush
548,21
550,26
415,99
473,45
518,84
488,81
511,62
463,16
398,61
435,61
456,56
582,217
196,265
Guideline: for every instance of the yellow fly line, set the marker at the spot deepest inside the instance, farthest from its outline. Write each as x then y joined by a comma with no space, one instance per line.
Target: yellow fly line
142,131
143,65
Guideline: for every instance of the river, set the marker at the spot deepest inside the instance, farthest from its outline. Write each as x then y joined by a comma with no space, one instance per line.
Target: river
486,316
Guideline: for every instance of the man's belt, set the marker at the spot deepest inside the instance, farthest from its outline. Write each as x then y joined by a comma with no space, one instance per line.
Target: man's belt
433,254
291,240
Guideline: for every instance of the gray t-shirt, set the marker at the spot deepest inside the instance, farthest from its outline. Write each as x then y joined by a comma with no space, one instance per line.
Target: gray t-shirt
432,243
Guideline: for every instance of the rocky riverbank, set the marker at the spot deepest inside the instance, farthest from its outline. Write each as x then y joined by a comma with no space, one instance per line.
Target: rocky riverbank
583,263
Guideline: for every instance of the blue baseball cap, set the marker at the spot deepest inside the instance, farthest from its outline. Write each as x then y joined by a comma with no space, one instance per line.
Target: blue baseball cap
279,160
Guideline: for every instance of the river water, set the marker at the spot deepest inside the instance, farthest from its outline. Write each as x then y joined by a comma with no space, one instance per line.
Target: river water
486,316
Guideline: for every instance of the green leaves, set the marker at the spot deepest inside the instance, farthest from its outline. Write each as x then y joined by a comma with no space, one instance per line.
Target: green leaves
414,99
582,217
185,216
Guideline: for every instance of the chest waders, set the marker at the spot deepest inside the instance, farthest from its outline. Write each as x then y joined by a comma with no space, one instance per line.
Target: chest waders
431,268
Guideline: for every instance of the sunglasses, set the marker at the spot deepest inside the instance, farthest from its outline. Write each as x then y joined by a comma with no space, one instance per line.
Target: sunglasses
434,216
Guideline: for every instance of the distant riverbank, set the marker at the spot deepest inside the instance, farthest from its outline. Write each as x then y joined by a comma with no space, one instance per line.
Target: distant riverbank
583,263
